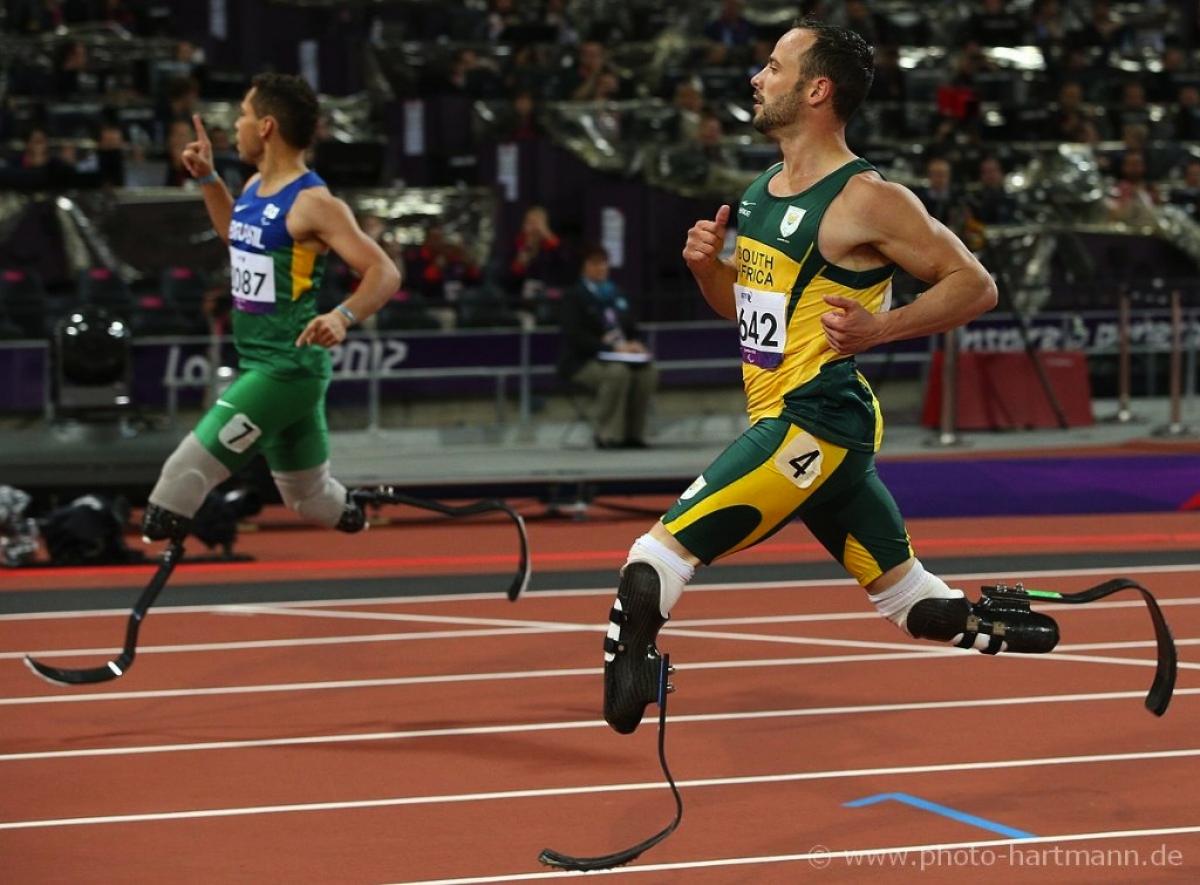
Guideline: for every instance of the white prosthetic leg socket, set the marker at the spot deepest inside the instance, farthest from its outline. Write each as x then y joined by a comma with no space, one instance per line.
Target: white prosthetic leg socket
313,493
896,601
673,572
187,477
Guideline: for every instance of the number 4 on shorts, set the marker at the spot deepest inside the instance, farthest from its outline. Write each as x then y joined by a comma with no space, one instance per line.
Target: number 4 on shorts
239,433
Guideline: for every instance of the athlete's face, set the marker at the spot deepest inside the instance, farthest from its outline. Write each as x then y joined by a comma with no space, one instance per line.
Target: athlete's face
778,101
249,131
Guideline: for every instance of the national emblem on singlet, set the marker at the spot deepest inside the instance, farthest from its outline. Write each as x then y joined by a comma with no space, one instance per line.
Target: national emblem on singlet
788,367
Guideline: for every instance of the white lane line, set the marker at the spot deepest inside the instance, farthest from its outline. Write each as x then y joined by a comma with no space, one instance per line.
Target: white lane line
277,643
416,619
985,765
559,593
507,675
529,627
933,651
820,860
459,677
676,719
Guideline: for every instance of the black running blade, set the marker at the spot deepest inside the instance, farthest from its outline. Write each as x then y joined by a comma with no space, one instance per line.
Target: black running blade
64,676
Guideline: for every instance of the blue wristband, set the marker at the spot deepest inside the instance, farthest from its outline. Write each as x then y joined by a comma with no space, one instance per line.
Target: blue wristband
210,178
347,313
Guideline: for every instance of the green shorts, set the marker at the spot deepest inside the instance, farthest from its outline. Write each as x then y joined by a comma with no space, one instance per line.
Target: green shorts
775,472
285,420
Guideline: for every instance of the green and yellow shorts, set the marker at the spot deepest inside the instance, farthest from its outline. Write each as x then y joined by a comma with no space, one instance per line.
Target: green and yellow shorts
776,472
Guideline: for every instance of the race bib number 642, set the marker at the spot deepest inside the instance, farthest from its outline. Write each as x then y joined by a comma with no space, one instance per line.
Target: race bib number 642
762,326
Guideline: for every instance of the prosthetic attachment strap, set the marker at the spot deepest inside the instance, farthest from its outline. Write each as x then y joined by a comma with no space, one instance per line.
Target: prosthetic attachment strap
552,858
387,495
1161,689
123,661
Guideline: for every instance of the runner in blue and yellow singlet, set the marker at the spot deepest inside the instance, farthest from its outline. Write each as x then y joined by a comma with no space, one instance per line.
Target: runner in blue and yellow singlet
279,231
809,286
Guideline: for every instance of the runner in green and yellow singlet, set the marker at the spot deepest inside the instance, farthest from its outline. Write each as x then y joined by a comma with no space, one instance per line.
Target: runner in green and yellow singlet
809,286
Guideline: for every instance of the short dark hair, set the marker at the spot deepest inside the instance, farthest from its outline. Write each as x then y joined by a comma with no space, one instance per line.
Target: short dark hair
845,58
293,104
595,252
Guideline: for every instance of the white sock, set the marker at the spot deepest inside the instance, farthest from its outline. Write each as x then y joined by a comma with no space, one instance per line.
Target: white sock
895,602
673,571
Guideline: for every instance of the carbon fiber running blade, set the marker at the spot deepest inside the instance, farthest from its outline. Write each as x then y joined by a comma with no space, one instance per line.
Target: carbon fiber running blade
65,676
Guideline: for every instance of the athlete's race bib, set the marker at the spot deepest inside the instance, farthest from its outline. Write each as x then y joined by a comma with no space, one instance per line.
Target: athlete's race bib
252,281
762,326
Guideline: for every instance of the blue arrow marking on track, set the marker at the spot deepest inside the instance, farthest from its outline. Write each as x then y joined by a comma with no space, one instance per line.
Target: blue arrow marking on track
944,811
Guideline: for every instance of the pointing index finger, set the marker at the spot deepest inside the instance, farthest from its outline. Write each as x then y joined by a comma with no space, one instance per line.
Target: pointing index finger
201,133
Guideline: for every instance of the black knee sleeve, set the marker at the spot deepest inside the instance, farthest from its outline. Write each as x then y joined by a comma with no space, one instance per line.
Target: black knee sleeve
984,625
160,524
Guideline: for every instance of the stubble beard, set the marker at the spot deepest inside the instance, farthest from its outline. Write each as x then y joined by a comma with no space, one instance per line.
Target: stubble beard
784,111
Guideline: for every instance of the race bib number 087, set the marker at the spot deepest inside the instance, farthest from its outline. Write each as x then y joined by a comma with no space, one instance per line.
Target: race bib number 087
762,326
252,281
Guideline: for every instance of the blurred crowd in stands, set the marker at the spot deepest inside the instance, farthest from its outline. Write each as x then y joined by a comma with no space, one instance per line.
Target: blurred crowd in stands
100,93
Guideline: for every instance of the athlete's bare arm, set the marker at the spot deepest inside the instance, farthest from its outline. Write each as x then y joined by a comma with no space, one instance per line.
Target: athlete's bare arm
889,219
318,215
702,252
198,160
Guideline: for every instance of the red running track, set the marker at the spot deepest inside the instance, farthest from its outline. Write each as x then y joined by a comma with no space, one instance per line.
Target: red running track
452,739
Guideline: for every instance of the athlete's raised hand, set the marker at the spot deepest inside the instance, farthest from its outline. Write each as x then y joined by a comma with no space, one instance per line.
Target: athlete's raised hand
198,155
705,241
326,330
850,328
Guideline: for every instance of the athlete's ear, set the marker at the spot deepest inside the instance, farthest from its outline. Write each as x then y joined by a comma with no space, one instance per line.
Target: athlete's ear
820,90
265,127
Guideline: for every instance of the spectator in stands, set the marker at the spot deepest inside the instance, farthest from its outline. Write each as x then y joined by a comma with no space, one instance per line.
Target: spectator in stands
1080,66
556,16
179,101
694,162
38,168
1187,195
35,16
579,83
440,267
122,14
730,27
71,75
519,122
110,155
992,25
601,352
940,197
888,90
1132,109
1069,113
502,14
376,228
537,259
471,76
858,17
990,202
423,264
1132,198
225,159
1185,122
1103,30
179,134
1163,86
1047,27
689,105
